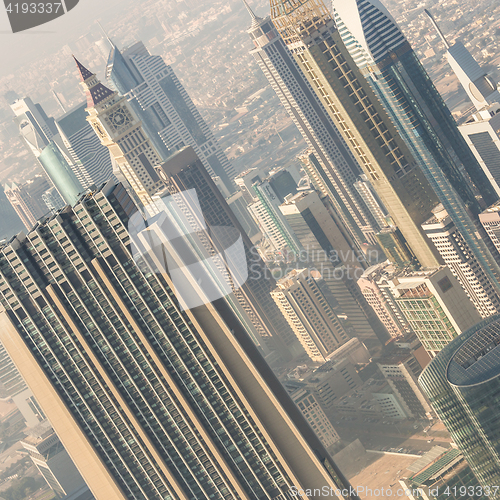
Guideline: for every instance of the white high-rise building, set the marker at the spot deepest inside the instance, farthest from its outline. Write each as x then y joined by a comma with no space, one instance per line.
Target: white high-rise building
331,166
463,264
169,116
120,130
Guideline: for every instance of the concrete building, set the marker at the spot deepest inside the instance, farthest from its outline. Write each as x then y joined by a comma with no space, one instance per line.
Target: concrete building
169,116
373,285
490,219
314,414
457,255
311,35
52,461
327,250
401,370
303,298
332,381
239,206
27,199
354,351
128,391
435,306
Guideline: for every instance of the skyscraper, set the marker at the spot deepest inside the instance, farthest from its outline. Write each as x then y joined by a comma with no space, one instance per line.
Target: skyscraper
26,199
476,82
461,383
119,129
149,401
327,251
184,171
304,299
420,115
168,114
481,128
463,263
309,31
91,160
435,306
331,166
384,56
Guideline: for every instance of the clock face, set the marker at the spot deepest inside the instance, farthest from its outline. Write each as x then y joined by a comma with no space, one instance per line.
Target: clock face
119,118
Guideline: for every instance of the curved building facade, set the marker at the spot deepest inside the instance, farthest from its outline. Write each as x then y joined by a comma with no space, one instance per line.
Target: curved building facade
463,385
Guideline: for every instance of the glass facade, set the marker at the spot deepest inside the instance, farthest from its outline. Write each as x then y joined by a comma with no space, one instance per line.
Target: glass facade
139,378
463,385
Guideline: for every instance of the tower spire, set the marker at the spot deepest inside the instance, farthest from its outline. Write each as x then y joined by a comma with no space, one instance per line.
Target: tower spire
85,73
255,19
438,29
96,92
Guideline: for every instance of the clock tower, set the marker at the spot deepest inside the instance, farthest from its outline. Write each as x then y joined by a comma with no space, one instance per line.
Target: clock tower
119,129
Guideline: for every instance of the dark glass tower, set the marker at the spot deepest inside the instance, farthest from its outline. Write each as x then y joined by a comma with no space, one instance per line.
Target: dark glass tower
309,32
420,115
185,171
149,401
463,385
168,114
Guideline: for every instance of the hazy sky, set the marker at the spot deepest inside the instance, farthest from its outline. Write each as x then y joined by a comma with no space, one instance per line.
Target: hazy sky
18,50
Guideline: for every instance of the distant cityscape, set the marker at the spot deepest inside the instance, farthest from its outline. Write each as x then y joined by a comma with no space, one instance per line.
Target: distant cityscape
252,251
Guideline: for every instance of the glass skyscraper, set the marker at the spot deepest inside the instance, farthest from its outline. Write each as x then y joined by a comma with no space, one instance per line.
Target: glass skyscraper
149,401
309,31
463,385
420,115
168,114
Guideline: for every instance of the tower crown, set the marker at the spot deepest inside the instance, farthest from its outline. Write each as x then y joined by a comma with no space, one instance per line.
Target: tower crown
96,92
255,19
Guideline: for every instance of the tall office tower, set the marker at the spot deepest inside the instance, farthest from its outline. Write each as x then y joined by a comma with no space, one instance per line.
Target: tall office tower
270,193
327,251
239,206
168,114
476,82
481,134
42,138
490,219
401,370
394,72
91,160
461,383
372,201
305,301
462,261
481,128
330,164
149,401
435,306
309,31
184,171
26,199
420,115
272,231
11,381
119,129
53,462
372,285
36,128
312,411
